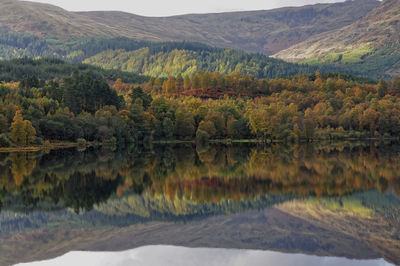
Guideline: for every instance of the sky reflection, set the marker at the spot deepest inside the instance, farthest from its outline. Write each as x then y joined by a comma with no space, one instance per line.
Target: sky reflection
176,256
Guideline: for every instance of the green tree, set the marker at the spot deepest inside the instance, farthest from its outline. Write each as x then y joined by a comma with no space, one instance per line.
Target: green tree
30,132
184,124
3,124
382,88
137,93
168,127
196,81
208,127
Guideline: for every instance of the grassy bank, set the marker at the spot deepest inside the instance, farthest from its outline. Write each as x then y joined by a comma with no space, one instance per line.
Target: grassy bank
228,141
47,146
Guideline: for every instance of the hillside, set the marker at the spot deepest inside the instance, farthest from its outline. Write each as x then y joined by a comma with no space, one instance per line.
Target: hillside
258,31
175,59
372,43
149,58
48,20
265,31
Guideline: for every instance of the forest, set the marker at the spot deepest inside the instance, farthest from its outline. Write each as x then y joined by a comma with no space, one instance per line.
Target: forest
91,106
160,59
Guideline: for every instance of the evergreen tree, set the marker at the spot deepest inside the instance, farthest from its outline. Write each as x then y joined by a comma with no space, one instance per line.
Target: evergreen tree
382,88
3,124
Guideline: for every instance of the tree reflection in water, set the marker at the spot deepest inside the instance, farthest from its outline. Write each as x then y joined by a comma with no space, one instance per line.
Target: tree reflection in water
81,180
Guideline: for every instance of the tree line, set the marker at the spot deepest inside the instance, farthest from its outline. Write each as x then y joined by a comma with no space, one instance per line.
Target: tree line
207,105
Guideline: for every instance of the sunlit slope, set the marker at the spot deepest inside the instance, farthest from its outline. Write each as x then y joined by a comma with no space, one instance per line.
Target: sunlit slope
371,44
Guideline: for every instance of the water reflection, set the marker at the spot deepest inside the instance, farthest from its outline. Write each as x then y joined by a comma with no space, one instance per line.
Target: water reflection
180,256
328,200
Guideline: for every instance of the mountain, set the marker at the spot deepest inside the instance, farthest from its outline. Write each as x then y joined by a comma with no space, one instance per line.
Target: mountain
48,20
257,31
371,43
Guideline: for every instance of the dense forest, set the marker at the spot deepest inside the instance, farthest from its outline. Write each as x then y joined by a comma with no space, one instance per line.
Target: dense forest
88,106
158,59
48,69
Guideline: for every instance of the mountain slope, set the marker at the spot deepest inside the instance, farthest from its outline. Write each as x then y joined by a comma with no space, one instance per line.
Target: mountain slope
257,31
373,41
48,20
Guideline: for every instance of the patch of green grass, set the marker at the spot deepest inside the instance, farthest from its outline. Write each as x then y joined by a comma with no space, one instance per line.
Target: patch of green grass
347,57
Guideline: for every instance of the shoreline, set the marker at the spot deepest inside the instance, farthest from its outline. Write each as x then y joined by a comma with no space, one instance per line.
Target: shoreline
228,141
51,146
67,145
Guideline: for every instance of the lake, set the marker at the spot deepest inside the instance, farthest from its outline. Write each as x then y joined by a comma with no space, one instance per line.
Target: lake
238,204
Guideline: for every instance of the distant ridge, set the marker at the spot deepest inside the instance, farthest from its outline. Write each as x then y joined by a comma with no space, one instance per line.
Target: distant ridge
267,32
373,41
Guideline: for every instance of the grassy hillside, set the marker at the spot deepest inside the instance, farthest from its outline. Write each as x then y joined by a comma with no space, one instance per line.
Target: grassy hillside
48,20
266,31
260,31
369,45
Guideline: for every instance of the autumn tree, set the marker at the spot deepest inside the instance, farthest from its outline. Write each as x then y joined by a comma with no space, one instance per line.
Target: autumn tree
22,131
187,83
258,122
169,86
18,133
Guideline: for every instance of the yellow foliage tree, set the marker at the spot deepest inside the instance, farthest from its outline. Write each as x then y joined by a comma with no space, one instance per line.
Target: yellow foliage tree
18,133
22,131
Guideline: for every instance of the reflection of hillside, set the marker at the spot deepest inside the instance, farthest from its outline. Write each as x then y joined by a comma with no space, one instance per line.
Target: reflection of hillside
377,228
270,229
181,196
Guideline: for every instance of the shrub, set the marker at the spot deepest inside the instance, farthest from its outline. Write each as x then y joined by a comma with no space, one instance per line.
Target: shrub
4,141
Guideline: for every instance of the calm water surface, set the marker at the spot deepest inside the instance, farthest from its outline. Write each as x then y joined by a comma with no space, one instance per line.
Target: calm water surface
319,204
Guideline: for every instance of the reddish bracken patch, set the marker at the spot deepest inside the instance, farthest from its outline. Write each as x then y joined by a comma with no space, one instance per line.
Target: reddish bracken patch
213,93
